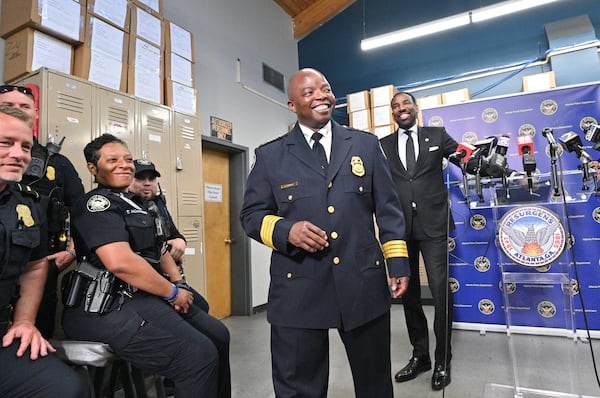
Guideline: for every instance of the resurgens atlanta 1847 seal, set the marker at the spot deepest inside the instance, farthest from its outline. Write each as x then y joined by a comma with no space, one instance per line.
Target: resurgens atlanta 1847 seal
531,236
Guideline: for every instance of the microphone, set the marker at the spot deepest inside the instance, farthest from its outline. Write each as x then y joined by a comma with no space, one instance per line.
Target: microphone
592,134
547,132
572,143
525,145
463,152
497,162
484,146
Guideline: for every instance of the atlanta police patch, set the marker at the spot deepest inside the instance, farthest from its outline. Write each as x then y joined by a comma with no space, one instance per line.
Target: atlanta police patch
531,236
97,203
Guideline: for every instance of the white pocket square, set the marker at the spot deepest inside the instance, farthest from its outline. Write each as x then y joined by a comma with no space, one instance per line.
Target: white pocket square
433,148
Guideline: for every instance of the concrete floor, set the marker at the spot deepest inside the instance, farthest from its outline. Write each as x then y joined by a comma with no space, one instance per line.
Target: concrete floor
544,363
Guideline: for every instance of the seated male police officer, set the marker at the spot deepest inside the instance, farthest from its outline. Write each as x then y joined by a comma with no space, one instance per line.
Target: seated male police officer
55,179
28,369
120,296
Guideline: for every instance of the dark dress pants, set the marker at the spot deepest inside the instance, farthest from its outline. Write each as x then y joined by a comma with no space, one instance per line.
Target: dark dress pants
435,256
43,378
300,360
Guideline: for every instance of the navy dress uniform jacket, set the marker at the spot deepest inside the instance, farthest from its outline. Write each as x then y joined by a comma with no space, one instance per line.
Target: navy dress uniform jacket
425,187
344,285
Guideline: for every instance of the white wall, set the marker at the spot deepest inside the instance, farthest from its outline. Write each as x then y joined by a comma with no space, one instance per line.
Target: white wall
254,31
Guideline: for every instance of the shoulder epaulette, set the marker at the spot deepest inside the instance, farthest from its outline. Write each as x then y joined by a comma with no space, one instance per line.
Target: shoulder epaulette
273,140
27,190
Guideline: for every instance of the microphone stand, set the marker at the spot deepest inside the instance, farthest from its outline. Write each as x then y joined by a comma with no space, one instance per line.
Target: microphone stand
463,168
555,181
478,187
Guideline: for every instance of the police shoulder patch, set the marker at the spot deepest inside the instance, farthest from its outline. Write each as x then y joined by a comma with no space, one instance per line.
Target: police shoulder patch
97,203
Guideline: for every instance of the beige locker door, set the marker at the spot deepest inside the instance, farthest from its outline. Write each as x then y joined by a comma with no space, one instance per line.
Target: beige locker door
154,127
188,164
66,111
116,116
193,264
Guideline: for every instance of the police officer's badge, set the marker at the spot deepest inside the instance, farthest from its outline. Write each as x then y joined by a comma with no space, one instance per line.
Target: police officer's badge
358,168
24,213
97,203
50,173
144,162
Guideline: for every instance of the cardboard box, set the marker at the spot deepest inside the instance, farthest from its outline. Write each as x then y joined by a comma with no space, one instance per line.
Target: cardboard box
358,101
116,12
59,18
430,101
180,97
361,120
143,54
145,84
101,36
382,115
28,50
154,7
382,131
147,26
539,81
382,95
179,69
179,41
100,68
456,96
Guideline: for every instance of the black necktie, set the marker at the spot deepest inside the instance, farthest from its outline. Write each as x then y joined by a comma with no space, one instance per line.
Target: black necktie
319,151
411,161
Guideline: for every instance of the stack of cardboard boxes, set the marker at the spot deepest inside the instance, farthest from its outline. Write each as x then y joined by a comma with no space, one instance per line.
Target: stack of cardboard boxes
125,45
371,111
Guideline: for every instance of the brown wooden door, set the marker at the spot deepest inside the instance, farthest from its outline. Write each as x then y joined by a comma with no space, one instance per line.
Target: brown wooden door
215,174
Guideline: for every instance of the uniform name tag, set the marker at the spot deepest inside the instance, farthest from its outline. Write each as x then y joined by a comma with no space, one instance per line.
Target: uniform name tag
289,185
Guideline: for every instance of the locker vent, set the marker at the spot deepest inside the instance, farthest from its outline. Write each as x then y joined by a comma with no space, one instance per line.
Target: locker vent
191,234
187,133
70,103
272,77
155,125
118,115
189,198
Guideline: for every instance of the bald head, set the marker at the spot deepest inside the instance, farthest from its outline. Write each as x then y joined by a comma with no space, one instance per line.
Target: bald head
311,98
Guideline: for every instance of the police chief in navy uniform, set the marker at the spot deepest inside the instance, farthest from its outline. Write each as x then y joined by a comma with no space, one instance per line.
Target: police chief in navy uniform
328,270
28,369
148,320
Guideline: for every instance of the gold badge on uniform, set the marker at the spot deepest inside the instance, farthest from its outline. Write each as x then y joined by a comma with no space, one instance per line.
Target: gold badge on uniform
24,213
50,173
358,168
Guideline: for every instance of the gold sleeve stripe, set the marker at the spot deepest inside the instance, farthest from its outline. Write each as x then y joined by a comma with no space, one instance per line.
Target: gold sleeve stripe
395,248
266,230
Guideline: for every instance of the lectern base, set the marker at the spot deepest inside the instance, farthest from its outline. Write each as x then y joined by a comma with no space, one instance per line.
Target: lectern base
503,391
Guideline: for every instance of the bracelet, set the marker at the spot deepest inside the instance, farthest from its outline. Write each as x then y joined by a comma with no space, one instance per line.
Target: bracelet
174,295
182,284
71,252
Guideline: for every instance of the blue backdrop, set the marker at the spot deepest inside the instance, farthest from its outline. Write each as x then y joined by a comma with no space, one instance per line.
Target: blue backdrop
474,263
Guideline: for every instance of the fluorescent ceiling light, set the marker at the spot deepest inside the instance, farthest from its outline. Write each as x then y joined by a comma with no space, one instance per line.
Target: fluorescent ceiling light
440,25
416,31
505,8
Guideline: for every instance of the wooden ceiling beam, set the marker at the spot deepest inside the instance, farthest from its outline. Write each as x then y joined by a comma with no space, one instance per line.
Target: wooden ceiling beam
316,15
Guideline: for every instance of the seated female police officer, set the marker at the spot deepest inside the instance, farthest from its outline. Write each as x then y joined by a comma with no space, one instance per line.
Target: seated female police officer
146,319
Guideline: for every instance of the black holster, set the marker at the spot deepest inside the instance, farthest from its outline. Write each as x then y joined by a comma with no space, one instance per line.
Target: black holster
95,286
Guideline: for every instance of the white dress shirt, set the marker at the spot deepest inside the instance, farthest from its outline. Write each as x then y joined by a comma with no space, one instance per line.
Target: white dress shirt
325,141
402,137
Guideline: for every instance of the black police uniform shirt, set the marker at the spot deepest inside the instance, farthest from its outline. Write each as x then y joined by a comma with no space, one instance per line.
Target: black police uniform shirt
105,216
23,236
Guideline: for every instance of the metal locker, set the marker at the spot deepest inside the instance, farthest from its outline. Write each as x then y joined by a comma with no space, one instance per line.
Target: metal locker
65,110
193,230
188,164
116,115
154,129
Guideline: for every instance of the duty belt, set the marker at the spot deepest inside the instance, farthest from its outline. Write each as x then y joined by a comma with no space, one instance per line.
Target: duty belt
5,318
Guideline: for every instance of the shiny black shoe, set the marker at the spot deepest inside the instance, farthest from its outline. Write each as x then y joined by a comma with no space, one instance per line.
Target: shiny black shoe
441,377
415,366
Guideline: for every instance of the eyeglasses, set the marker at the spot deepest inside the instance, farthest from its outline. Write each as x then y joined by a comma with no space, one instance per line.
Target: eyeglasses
6,88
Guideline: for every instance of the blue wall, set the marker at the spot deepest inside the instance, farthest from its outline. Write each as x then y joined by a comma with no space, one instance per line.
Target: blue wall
335,50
